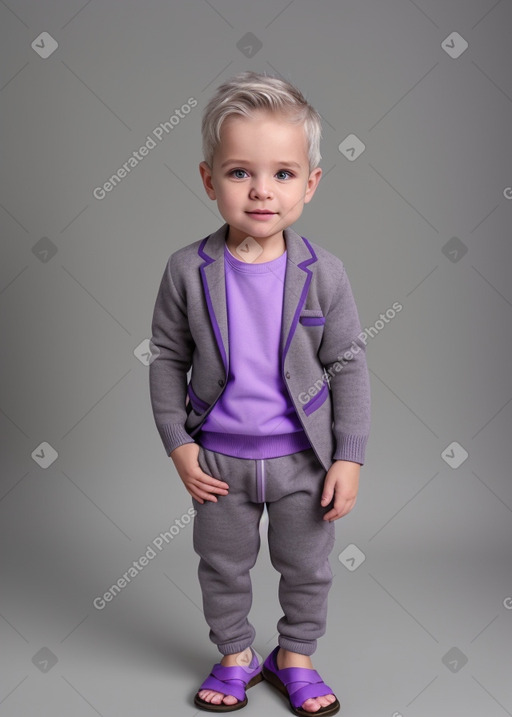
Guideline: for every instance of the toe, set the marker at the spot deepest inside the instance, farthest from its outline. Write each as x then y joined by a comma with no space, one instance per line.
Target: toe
311,705
315,703
210,696
230,700
217,697
326,700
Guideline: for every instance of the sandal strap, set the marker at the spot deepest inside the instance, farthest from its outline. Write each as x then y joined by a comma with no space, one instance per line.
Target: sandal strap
289,675
316,689
228,680
225,686
302,684
234,672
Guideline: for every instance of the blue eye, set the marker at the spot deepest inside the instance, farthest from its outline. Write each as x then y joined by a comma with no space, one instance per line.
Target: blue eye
285,171
234,171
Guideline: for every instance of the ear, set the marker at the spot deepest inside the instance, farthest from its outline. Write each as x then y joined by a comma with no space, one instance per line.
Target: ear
312,184
206,176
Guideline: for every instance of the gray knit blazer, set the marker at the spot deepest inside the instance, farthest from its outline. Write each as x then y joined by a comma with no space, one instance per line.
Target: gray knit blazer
322,358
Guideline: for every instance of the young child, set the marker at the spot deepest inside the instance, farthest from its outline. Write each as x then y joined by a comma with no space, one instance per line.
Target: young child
276,408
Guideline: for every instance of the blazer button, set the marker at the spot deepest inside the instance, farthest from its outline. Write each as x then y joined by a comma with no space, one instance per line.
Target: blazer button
221,382
287,374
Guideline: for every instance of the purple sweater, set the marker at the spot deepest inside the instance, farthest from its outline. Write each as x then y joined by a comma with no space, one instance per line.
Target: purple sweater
254,417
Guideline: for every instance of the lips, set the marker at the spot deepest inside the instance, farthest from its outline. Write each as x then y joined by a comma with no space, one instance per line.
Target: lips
260,211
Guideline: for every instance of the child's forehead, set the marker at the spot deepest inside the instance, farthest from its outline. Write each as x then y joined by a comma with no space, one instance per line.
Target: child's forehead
239,129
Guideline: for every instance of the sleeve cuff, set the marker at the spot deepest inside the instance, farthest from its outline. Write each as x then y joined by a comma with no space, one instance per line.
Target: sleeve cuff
174,435
350,448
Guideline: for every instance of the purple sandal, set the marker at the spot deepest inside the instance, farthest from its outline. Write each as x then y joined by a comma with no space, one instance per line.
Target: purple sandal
284,681
230,681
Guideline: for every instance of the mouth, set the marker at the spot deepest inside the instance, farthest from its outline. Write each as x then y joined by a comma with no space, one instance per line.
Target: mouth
261,212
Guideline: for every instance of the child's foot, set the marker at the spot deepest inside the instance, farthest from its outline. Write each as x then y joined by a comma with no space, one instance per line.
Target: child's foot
286,658
238,658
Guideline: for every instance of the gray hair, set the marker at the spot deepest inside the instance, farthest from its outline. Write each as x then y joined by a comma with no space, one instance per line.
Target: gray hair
250,91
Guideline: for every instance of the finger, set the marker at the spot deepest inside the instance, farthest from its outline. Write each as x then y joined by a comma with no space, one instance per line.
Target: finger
326,498
209,480
220,484
327,494
337,512
214,487
328,491
211,486
204,493
210,497
344,508
195,495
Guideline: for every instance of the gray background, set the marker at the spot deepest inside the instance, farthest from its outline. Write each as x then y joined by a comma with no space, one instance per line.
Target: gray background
78,281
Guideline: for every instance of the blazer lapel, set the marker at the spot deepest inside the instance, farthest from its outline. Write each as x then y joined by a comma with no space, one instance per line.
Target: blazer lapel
296,285
211,250
298,276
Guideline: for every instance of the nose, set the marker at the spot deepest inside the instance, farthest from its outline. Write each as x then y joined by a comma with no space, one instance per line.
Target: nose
260,189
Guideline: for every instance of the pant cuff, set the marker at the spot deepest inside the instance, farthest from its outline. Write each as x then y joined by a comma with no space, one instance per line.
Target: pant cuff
233,647
303,648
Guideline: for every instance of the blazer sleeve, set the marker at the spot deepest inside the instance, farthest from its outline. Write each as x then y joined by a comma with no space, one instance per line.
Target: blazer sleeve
343,356
172,346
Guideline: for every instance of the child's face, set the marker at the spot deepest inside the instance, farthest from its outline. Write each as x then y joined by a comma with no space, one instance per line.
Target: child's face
261,163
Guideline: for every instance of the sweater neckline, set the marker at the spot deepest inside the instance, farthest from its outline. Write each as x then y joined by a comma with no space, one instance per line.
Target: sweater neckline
251,268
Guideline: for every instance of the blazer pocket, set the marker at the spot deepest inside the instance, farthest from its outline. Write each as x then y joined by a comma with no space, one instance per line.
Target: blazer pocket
311,317
196,404
316,402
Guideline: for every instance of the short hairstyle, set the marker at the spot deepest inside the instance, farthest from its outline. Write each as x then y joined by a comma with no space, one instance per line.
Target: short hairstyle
250,91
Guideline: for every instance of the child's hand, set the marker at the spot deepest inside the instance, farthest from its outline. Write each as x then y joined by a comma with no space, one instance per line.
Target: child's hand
199,484
342,481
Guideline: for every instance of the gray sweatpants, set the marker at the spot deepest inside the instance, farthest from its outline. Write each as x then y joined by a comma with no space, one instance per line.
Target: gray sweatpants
227,539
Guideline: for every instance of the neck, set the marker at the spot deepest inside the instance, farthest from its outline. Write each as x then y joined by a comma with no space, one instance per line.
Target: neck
270,251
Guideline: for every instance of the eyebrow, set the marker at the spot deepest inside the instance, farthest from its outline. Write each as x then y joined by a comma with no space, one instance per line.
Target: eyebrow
244,161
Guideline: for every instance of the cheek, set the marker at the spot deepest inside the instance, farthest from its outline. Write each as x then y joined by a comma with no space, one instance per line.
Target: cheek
296,200
225,200
295,193
230,195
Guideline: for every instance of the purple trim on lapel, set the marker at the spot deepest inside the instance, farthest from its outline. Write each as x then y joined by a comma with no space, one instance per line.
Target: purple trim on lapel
216,329
304,266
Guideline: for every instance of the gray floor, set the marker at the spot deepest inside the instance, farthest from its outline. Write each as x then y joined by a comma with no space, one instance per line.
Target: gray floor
412,630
